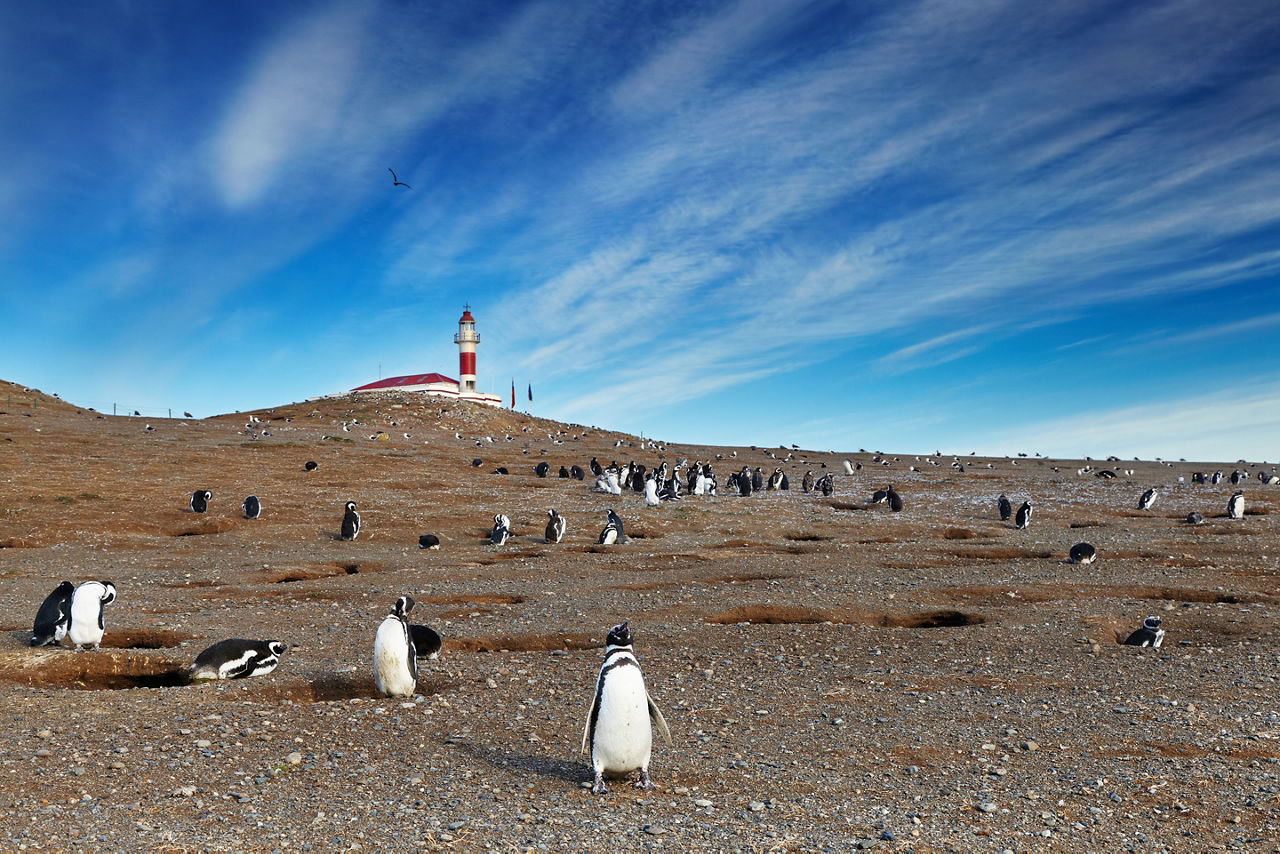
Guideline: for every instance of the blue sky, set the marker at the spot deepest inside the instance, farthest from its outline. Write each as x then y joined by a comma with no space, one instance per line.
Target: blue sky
979,226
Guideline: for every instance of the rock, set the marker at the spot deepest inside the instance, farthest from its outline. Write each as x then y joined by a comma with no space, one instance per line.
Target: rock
702,802
986,807
756,806
294,758
654,829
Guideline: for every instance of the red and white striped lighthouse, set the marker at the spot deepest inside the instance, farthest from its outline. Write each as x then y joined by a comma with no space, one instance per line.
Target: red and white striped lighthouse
466,339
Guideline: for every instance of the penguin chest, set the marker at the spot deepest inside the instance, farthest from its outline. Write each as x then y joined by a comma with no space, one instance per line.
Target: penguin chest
86,620
623,737
392,656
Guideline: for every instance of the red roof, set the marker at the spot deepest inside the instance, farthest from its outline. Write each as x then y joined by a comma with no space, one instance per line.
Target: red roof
466,316
411,379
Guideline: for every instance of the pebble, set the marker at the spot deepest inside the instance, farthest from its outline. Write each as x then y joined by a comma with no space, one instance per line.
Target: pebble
756,806
294,758
42,752
986,807
203,742
702,802
654,829
913,769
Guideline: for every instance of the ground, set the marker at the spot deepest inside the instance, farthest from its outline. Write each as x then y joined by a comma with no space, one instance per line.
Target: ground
834,675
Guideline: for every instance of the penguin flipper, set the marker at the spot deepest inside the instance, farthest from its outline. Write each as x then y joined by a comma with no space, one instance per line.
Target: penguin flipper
655,714
591,720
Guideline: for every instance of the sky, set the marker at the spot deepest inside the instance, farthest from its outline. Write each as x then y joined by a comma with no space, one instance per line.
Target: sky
908,226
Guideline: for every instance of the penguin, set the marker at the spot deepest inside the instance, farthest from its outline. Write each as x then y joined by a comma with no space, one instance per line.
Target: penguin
1149,634
395,665
1194,518
784,483
564,473
807,483
1148,498
577,473
200,500
596,468
757,480
745,486
87,602
555,526
501,530
476,463
1005,508
426,642
1023,519
827,485
501,470
848,467
650,491
236,659
612,532
1235,505
775,479
541,469
53,619
895,500
618,736
252,507
428,541
1082,553
350,521
1236,477
310,465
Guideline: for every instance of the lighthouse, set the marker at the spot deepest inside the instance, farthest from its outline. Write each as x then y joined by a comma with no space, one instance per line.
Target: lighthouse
466,339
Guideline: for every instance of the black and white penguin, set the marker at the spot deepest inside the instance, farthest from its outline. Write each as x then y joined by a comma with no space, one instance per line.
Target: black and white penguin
1148,498
1005,507
596,468
200,500
1236,477
827,485
807,483
236,659
577,473
1149,634
350,521
426,642
555,526
564,472
744,481
784,483
428,541
53,618
476,463
618,734
501,530
541,469
252,507
1082,553
1194,518
500,470
612,532
775,479
87,602
848,467
395,665
651,491
895,500
310,465
757,480
1235,505
1023,519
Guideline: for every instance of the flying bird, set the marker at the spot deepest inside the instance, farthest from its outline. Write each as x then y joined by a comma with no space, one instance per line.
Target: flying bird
396,182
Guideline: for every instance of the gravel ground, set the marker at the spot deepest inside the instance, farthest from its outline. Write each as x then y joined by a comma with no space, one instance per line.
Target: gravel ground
836,676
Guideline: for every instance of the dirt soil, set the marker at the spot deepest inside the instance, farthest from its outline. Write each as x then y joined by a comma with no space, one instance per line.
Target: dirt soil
835,675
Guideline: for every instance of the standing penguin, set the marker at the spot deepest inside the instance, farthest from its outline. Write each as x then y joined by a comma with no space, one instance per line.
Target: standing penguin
1148,498
53,619
848,467
555,526
827,485
1082,553
541,469
1005,508
252,507
1023,519
757,480
350,521
564,472
596,468
618,734
612,532
200,500
807,483
895,500
501,530
1148,634
651,491
236,659
87,602
1235,505
395,665
577,473
775,479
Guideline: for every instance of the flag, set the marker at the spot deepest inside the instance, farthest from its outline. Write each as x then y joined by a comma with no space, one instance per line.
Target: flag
513,393
531,392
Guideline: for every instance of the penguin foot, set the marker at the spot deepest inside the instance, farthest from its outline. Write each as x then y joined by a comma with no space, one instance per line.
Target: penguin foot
599,787
643,781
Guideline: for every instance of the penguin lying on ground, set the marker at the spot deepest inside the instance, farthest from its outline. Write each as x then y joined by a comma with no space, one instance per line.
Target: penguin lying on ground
236,659
1148,634
252,507
1083,553
428,541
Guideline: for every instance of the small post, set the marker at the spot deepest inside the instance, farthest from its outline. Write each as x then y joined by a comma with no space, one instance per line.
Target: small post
171,412
113,409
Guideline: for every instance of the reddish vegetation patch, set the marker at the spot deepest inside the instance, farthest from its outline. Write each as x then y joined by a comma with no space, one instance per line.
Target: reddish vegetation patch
93,670
21,543
524,643
806,537
960,534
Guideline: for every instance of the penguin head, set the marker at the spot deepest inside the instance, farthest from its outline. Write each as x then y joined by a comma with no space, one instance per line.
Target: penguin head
108,592
551,513
403,606
349,506
619,635
310,466
277,647
1152,623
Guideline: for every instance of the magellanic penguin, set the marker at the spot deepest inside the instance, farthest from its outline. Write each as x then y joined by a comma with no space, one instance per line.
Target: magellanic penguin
848,467
555,526
236,659
1148,498
252,507
395,665
827,485
1148,634
541,469
895,500
350,521
501,530
618,736
428,541
775,479
807,483
87,602
651,491
612,532
1083,553
310,465
53,619
1194,518
1005,508
426,641
1235,505
1023,519
200,500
